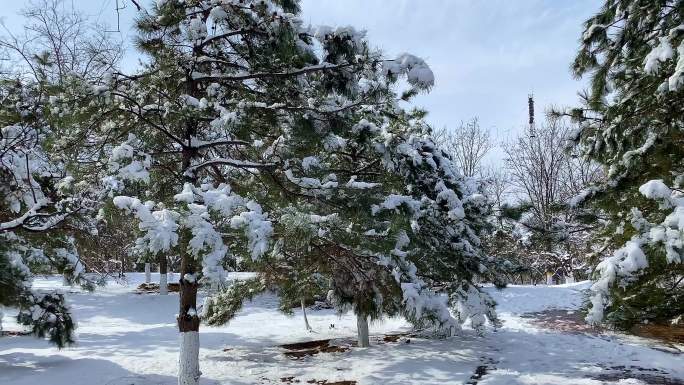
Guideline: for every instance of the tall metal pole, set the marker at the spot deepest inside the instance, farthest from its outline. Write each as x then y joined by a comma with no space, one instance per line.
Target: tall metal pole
530,107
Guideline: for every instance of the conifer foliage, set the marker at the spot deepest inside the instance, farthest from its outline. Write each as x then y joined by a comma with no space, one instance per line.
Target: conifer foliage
37,197
45,204
249,136
631,122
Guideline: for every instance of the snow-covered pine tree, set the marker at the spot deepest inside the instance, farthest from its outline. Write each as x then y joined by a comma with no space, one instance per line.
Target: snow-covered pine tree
632,123
37,196
370,204
224,91
388,218
447,212
225,112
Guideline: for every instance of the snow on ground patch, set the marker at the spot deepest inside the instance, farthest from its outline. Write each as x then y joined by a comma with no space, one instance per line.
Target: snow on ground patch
520,299
127,338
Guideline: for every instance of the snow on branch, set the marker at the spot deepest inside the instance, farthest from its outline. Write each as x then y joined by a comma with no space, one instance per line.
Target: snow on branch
629,261
129,163
204,211
214,38
312,183
261,75
394,201
160,226
354,184
417,72
257,227
19,221
190,171
35,221
203,144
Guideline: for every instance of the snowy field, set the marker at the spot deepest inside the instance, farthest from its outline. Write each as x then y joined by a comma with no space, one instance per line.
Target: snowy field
126,338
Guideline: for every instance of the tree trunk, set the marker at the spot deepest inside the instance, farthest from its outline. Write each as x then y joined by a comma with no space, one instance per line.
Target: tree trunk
188,360
188,325
306,321
163,282
569,279
549,278
148,276
65,280
188,320
123,266
362,327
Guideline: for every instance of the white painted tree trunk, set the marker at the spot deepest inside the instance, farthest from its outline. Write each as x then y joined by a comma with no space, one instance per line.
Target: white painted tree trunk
362,327
569,279
549,278
163,278
188,359
306,320
148,275
163,285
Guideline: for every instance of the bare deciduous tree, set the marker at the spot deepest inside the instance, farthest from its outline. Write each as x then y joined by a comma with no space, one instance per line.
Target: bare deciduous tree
545,177
544,172
536,164
55,43
497,186
467,144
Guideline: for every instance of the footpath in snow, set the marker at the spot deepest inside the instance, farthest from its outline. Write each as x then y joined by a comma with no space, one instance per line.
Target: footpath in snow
126,338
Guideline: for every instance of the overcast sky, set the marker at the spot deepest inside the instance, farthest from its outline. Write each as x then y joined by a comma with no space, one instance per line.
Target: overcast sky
487,56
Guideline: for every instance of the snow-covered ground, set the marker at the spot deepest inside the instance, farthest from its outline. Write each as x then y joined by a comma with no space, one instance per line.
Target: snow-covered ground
130,339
